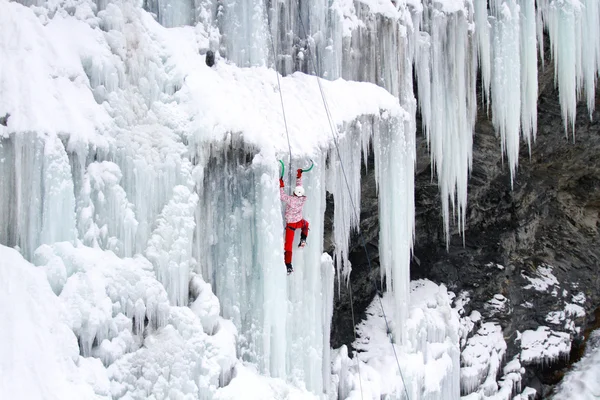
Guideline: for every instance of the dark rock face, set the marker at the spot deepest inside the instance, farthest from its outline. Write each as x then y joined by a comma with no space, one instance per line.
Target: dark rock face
4,119
550,216
210,58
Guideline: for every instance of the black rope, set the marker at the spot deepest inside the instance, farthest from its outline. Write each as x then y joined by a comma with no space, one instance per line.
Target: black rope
335,141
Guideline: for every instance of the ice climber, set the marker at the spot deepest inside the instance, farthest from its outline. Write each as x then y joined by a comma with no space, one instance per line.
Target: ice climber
293,218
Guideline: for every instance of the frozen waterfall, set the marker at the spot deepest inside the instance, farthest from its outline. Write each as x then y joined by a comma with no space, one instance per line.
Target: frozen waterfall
143,183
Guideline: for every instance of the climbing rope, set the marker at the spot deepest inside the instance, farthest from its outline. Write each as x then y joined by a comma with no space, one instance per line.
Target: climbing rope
335,141
282,106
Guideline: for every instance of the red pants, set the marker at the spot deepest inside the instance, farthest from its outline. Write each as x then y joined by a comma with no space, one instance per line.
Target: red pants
290,229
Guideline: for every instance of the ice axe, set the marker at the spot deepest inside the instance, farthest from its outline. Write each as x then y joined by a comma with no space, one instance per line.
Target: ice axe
306,169
312,164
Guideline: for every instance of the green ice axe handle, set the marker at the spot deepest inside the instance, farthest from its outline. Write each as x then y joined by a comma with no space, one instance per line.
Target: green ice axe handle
312,164
282,168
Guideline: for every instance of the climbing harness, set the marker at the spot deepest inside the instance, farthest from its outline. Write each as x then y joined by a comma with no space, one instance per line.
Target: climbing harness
335,141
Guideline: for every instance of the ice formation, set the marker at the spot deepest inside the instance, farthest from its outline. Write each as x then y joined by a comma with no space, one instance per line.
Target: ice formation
425,366
143,182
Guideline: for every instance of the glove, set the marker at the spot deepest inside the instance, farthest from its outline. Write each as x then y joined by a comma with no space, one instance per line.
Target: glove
299,175
281,182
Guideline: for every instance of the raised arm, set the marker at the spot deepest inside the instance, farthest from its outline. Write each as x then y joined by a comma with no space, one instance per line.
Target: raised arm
284,197
299,177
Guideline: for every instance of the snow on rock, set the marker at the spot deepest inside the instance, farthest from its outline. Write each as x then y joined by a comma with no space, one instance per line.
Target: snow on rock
39,356
543,345
567,317
543,280
497,305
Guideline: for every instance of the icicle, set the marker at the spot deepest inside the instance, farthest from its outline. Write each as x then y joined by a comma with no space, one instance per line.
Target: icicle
59,201
171,13
506,79
452,109
344,183
590,40
529,80
573,29
245,32
21,166
482,37
394,172
327,279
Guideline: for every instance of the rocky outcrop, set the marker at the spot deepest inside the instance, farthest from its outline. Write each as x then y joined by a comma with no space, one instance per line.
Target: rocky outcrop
548,217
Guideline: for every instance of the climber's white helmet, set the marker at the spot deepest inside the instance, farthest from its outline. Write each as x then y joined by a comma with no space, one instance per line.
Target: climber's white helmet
299,191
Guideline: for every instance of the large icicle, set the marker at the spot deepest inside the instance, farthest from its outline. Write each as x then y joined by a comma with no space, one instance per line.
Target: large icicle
394,171
574,30
343,182
447,66
482,37
506,78
529,79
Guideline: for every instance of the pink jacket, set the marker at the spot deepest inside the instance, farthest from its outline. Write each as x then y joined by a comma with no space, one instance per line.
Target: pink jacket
293,211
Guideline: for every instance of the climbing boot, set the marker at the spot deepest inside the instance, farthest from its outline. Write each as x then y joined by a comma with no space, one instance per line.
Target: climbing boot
302,242
289,268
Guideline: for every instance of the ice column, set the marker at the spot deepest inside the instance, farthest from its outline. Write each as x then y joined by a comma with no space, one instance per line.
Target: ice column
245,34
394,170
58,213
37,205
239,248
170,13
327,279
309,287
